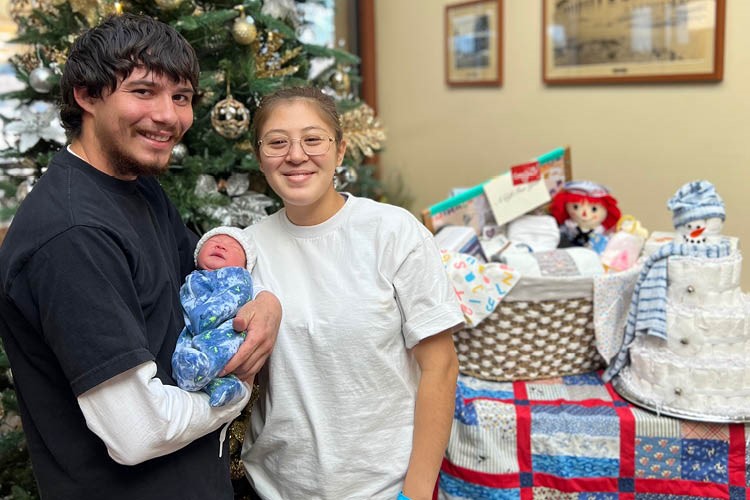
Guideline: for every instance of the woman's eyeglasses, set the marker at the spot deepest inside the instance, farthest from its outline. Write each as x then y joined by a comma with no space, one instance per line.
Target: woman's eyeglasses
279,145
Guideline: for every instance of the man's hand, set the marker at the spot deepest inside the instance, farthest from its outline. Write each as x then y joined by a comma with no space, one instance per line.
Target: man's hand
260,318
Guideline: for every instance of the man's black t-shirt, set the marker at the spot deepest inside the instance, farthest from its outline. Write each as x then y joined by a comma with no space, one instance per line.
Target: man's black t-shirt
89,277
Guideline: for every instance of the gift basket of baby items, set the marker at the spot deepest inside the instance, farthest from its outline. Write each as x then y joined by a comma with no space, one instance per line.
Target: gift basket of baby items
525,252
684,350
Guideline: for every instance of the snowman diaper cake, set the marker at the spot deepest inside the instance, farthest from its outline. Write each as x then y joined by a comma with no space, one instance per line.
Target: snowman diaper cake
686,345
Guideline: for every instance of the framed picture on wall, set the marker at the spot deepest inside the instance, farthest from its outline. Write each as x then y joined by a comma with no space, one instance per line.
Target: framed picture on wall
618,41
473,43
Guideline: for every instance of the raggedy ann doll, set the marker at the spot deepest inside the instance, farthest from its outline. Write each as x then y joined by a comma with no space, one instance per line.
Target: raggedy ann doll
697,212
210,297
585,212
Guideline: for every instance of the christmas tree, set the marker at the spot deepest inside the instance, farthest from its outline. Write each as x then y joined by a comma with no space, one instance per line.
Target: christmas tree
246,49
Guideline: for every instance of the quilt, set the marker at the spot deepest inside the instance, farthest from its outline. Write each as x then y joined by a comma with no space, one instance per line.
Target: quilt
574,437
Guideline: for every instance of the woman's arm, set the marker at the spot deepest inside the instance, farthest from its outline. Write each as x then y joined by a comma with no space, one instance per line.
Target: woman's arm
433,416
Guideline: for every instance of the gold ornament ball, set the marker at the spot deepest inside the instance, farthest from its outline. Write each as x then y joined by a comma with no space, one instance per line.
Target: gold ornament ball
168,4
341,82
230,118
244,31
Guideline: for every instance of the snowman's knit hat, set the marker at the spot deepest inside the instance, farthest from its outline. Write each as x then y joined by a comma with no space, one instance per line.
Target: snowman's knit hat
696,200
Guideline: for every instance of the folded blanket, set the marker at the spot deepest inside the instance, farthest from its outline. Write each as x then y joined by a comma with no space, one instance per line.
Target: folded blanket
479,286
538,232
572,261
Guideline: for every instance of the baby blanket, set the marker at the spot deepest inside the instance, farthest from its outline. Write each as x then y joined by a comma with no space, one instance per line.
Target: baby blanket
210,300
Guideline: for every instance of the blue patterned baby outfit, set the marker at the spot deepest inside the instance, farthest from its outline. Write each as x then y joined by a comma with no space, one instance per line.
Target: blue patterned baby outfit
210,299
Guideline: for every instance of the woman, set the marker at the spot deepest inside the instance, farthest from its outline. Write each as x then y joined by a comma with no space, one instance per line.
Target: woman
358,396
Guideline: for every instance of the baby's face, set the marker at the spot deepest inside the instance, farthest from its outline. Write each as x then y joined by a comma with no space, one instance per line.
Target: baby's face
221,251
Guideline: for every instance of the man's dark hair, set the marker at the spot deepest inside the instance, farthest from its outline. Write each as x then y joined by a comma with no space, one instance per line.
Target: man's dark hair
105,55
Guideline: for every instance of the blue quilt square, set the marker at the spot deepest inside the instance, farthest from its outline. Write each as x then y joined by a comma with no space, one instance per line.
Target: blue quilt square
457,488
464,412
574,419
737,493
570,466
591,378
658,457
470,388
598,496
526,479
705,460
626,485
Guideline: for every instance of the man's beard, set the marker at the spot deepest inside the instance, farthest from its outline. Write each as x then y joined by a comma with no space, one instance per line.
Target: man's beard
125,165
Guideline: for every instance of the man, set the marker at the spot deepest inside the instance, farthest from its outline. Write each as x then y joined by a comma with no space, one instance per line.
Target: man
89,277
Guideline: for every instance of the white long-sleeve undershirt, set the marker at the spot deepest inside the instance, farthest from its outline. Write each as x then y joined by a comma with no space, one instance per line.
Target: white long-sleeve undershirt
139,418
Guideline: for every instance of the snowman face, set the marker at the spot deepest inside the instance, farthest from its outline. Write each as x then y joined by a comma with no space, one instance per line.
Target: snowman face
699,230
585,214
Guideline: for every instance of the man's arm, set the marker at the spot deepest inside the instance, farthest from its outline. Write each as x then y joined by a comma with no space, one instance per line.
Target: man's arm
261,318
156,419
433,415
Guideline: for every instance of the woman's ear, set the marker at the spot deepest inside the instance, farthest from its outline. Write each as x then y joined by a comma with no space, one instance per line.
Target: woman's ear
340,151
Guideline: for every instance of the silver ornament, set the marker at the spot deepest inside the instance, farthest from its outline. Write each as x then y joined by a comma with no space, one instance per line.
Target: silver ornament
344,176
42,79
179,152
350,175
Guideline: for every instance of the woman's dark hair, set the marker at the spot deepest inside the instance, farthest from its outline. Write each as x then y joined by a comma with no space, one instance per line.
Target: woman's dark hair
325,103
103,56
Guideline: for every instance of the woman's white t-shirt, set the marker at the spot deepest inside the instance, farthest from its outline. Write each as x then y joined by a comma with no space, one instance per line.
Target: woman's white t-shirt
336,412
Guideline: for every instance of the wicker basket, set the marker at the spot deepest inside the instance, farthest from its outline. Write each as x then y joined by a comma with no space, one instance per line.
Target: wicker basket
543,328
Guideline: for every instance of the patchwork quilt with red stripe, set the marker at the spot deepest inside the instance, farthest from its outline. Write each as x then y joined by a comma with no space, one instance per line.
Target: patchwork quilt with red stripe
574,438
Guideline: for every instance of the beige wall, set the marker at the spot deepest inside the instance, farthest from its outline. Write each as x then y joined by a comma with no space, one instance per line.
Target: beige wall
642,141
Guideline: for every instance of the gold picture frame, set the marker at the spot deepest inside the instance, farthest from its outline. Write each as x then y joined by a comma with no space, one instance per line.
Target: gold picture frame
473,43
620,41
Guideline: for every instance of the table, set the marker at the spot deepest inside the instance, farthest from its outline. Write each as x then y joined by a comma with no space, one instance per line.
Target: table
574,437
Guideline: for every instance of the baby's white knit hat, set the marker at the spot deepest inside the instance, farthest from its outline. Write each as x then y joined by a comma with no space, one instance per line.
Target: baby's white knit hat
251,255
